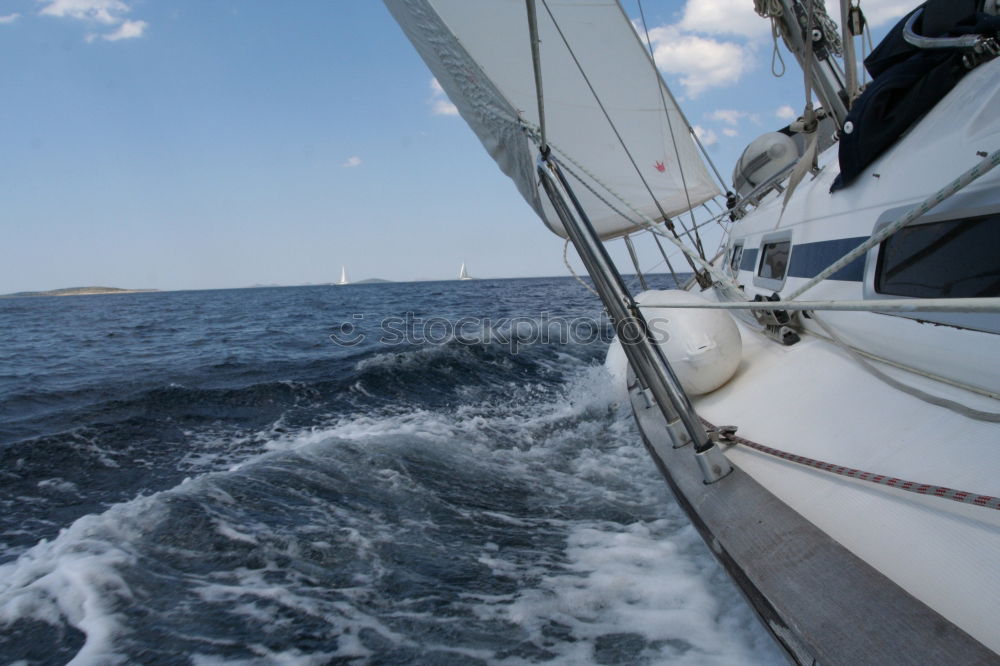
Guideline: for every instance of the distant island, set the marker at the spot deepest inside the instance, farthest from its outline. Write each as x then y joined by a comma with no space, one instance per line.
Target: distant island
371,281
75,291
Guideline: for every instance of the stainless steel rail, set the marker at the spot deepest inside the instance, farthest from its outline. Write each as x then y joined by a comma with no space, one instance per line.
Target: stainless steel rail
644,355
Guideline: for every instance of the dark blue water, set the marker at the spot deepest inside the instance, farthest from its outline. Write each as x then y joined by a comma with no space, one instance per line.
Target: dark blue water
390,473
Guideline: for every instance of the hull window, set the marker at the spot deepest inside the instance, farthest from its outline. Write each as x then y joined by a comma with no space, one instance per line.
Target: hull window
749,259
772,268
948,259
774,261
734,261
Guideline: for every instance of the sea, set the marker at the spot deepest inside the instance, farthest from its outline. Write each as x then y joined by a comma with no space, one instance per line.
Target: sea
392,473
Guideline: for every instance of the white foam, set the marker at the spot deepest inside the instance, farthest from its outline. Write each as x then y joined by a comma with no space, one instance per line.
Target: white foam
75,578
250,594
268,657
230,532
645,579
59,485
412,358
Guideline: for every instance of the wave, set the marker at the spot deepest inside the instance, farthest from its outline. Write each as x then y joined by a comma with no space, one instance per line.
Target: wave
509,526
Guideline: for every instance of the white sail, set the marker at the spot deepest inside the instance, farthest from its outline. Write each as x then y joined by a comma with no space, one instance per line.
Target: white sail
343,276
480,53
463,274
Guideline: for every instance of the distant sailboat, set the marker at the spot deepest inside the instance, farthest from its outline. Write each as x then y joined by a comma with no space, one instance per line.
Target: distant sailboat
463,274
343,276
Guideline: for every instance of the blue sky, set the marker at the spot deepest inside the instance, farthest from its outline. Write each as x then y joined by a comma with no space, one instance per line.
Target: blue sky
185,144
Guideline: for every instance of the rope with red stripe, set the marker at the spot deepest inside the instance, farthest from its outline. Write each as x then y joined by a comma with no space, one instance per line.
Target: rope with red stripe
962,496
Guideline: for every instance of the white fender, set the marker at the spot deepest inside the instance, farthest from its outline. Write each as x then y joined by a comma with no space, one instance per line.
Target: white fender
703,347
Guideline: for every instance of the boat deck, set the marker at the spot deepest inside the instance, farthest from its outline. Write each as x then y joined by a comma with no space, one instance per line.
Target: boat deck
943,552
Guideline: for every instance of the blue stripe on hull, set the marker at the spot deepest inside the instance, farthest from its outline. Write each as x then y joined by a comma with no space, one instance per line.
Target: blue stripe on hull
808,259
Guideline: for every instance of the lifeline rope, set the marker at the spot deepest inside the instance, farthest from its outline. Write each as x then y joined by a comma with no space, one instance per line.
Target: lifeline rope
578,278
728,284
726,281
981,304
929,398
975,499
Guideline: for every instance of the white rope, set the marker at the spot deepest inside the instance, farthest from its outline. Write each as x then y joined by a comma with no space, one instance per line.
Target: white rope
970,305
976,414
959,183
966,305
646,221
729,285
831,35
771,9
568,266
923,373
607,115
650,224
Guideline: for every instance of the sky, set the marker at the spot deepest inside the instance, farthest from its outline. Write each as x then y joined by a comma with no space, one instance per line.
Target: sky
193,144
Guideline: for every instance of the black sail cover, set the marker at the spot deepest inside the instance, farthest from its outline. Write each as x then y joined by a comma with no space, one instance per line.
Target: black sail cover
907,81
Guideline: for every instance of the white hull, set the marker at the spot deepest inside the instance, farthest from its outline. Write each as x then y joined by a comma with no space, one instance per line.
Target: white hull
814,399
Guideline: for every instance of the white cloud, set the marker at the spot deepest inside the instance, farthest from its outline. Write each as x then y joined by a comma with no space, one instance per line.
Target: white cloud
440,104
443,107
9,18
707,137
108,13
728,116
697,53
724,17
352,162
737,17
730,132
701,62
785,112
127,30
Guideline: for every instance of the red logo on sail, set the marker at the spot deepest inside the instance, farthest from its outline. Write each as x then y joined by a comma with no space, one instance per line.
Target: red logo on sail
660,167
